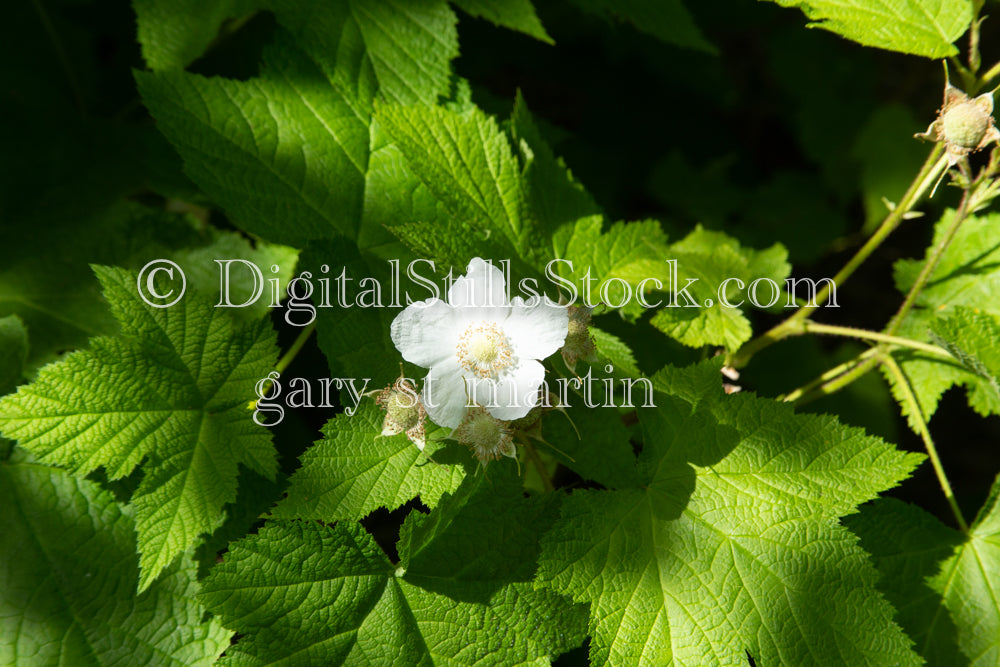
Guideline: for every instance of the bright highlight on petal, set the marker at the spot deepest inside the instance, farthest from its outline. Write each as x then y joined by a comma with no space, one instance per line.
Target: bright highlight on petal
479,347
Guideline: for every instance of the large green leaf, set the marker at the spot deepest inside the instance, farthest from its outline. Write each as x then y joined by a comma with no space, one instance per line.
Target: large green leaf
945,584
921,27
460,595
730,540
172,390
286,154
68,576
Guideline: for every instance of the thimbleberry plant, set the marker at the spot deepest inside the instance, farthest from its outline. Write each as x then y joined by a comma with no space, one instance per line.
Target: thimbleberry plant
417,332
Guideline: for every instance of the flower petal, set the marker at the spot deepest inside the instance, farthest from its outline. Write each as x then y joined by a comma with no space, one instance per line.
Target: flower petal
482,285
425,333
517,393
536,331
444,394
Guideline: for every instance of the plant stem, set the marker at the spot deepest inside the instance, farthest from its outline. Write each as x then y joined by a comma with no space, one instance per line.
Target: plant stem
904,385
925,273
836,371
975,60
536,461
296,347
988,77
926,177
865,364
865,334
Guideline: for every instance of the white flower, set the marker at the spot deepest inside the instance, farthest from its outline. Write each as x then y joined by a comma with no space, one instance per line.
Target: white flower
479,347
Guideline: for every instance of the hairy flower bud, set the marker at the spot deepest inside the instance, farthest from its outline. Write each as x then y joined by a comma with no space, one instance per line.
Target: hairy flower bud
404,412
485,435
579,344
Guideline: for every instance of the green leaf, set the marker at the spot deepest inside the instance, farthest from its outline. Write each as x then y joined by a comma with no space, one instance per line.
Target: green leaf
614,349
554,196
173,34
461,594
69,577
668,20
353,471
973,338
286,154
944,583
730,542
966,277
921,27
595,439
45,277
13,352
172,390
467,163
514,14
712,258
626,252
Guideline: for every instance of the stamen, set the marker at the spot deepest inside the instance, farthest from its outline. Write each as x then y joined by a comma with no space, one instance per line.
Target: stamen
483,349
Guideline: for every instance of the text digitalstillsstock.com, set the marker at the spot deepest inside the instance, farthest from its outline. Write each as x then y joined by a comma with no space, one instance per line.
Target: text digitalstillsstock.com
306,292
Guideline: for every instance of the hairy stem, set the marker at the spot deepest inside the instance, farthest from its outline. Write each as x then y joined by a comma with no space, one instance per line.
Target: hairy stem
865,334
925,273
904,386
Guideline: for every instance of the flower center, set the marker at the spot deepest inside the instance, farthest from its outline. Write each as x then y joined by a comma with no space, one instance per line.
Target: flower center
483,349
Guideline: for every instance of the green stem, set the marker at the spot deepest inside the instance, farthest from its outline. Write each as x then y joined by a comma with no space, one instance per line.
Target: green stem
975,60
289,356
296,347
925,273
926,177
836,371
904,386
62,56
836,384
988,77
865,334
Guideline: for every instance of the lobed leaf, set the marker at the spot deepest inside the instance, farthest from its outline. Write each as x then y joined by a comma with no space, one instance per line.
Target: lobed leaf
730,542
945,584
171,391
461,594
